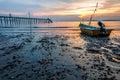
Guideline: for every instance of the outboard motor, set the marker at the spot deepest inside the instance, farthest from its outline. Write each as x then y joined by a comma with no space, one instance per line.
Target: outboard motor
102,26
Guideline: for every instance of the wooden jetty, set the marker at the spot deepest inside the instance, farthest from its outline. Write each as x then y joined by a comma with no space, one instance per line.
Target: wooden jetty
6,21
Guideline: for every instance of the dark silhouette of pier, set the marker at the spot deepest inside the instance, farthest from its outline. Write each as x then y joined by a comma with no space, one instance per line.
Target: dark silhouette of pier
9,21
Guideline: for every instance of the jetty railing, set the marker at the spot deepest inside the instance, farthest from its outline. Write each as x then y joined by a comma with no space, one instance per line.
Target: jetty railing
6,21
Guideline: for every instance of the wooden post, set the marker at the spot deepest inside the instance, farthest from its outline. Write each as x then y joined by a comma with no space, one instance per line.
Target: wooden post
30,24
1,23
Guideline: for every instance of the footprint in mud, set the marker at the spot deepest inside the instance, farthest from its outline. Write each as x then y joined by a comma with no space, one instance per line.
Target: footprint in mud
10,49
43,40
114,55
93,50
34,48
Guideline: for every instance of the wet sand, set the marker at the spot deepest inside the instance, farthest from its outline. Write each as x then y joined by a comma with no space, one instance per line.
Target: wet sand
59,57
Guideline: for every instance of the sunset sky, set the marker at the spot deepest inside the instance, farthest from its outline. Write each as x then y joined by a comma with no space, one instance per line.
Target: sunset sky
62,9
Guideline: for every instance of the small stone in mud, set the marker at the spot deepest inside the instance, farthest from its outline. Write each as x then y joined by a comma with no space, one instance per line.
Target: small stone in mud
28,40
12,77
2,48
93,50
78,66
64,45
34,48
77,48
14,57
52,43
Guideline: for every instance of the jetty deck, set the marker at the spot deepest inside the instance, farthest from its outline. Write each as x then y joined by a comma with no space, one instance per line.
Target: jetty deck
10,20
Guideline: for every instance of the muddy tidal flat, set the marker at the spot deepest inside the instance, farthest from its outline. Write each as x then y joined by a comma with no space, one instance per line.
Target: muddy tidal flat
59,57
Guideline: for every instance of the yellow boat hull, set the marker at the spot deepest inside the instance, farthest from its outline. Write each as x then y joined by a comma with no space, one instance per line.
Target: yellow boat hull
94,31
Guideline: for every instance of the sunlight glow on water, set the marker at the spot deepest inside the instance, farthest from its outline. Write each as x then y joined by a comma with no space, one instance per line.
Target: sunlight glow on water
70,27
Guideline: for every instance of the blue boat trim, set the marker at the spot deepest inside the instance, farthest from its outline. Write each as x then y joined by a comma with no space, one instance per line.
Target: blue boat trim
88,27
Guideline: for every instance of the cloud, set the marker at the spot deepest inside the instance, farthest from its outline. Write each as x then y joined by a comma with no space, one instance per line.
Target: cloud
44,5
58,7
109,4
15,6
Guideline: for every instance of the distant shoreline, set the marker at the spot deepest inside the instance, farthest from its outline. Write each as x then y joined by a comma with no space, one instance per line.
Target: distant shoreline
104,20
111,20
85,20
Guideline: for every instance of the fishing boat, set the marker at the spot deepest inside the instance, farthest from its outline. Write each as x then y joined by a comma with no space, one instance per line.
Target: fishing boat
92,30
